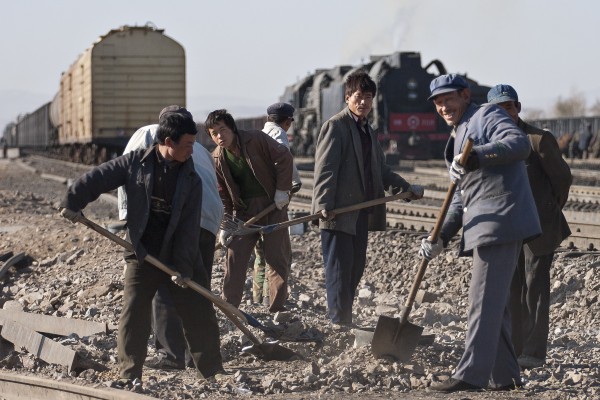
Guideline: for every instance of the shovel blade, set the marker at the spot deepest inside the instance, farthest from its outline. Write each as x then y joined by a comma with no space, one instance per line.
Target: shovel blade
271,351
394,339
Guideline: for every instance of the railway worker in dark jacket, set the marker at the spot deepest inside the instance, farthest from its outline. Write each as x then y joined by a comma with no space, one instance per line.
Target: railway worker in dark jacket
495,208
253,172
350,169
167,194
279,119
168,331
550,179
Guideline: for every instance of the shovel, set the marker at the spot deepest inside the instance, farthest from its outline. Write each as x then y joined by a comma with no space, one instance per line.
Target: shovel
246,229
398,338
265,350
230,223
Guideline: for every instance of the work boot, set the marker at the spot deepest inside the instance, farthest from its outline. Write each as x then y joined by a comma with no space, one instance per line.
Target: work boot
451,385
161,361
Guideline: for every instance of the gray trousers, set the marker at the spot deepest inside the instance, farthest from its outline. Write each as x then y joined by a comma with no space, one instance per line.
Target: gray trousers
489,357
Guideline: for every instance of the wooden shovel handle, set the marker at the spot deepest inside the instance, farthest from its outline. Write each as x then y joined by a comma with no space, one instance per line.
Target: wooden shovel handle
434,236
233,313
354,207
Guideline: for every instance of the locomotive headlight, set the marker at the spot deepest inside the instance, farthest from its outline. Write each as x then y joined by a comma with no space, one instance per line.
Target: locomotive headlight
412,84
412,95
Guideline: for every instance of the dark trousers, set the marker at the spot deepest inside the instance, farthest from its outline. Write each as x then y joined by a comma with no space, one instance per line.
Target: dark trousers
167,326
530,304
200,326
344,257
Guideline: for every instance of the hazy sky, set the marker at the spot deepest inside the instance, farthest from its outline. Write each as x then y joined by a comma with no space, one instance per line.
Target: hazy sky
242,54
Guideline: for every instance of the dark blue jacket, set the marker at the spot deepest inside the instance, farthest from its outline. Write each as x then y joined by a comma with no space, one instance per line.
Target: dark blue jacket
135,171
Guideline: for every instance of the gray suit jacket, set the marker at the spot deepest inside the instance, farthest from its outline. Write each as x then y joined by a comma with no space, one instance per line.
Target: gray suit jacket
339,174
492,204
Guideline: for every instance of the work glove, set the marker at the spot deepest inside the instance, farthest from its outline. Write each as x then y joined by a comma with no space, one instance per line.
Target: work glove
296,187
417,192
327,215
180,280
281,199
224,238
457,171
71,215
430,250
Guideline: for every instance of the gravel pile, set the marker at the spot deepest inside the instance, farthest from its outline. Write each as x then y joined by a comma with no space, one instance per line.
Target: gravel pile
71,271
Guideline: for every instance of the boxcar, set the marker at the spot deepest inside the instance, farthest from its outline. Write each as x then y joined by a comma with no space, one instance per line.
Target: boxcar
117,85
35,130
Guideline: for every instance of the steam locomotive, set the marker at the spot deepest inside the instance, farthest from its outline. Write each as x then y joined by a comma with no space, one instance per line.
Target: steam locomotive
407,125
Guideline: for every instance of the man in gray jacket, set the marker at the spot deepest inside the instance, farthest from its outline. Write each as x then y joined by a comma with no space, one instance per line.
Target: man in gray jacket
167,194
550,179
350,169
494,206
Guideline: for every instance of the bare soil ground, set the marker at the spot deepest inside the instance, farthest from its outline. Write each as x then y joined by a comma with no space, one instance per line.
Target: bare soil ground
73,272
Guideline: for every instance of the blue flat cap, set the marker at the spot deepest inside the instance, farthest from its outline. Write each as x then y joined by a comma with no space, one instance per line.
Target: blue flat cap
447,83
281,110
501,93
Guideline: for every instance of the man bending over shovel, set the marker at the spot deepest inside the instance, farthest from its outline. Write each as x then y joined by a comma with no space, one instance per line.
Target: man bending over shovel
167,193
253,172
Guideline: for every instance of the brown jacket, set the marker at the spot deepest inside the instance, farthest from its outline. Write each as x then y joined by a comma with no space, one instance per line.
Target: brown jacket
339,174
270,161
550,179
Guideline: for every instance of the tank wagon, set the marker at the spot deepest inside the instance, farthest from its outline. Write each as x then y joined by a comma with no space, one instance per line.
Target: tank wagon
406,123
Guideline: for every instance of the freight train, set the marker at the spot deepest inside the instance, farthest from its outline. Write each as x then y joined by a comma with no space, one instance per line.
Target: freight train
407,125
117,85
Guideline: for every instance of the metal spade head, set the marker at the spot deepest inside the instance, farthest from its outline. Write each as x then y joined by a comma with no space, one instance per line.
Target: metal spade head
395,339
271,351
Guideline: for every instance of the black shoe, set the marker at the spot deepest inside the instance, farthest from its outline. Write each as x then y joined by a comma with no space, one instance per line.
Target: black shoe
453,385
164,364
505,388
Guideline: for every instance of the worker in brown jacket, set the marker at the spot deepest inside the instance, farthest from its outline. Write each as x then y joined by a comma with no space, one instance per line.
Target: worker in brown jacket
550,179
253,172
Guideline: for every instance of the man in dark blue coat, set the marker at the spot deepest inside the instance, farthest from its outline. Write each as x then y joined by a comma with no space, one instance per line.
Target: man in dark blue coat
495,208
165,223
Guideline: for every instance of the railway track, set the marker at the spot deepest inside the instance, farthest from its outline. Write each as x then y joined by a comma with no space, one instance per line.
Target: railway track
582,211
419,217
13,386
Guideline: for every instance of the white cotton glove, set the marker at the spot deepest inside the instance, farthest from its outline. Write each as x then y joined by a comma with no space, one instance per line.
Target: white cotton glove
417,192
430,250
457,171
224,238
281,199
179,280
71,215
